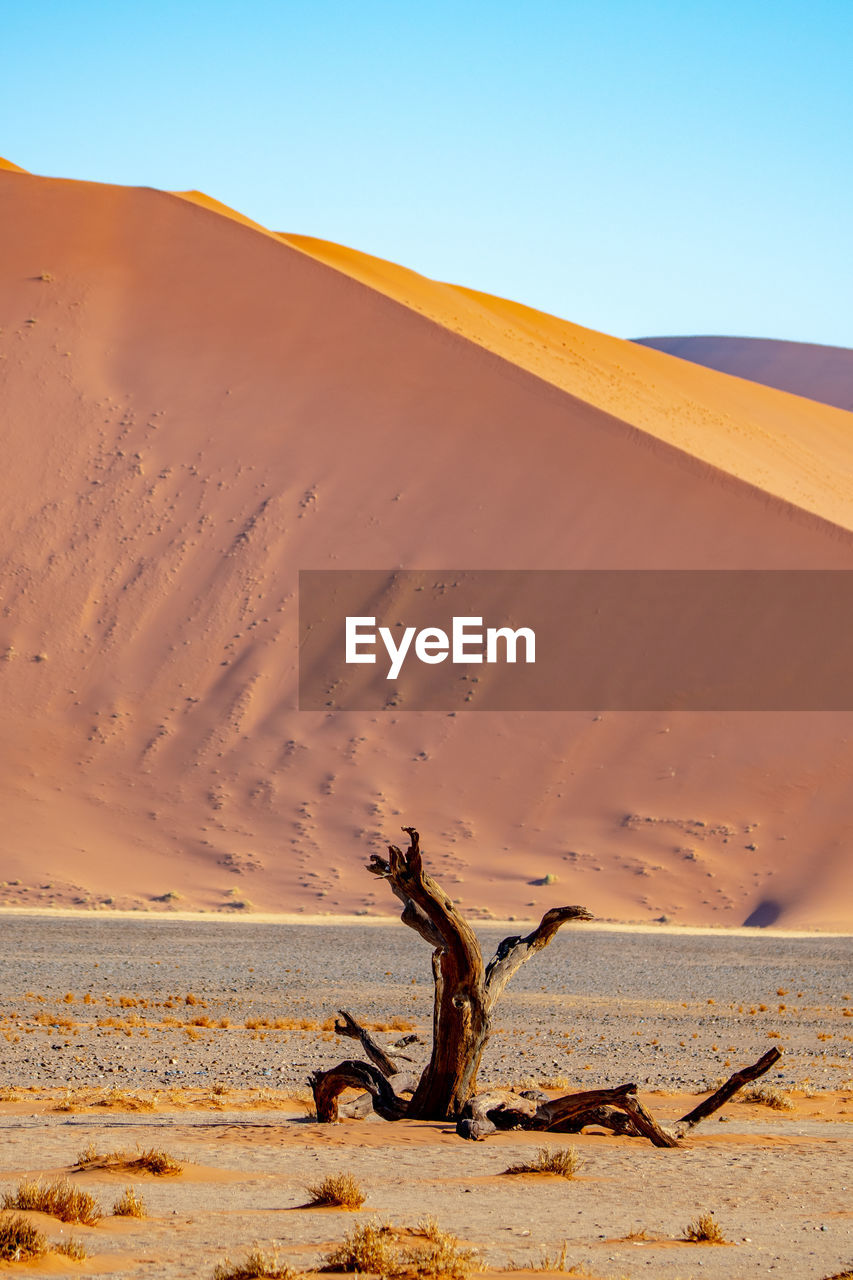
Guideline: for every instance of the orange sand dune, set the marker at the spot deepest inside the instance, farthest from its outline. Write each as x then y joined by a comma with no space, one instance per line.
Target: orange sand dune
798,452
196,409
804,368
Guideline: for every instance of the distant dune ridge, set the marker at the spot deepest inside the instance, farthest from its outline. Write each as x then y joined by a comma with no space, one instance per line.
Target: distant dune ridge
804,368
196,407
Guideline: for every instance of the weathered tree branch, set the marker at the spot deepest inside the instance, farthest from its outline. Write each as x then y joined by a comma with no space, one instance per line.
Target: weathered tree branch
327,1086
355,1031
735,1081
466,991
512,953
489,1112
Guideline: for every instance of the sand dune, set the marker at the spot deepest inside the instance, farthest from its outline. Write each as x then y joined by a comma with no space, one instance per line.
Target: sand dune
197,408
804,368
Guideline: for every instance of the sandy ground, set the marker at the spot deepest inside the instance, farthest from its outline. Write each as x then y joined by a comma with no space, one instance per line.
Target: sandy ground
136,1067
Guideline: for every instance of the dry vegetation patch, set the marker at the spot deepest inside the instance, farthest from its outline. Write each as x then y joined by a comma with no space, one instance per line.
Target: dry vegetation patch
338,1189
20,1240
257,1265
113,1100
705,1230
71,1248
565,1162
130,1204
59,1199
425,1250
767,1095
153,1160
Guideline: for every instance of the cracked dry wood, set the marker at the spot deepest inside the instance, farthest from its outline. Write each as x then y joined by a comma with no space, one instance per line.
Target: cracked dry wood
466,992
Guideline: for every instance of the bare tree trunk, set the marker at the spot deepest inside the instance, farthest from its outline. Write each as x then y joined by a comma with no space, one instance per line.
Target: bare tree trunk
465,989
466,992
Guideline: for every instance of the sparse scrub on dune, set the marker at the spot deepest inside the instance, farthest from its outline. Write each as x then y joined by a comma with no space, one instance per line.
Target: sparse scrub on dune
338,1189
153,1160
368,1247
767,1095
19,1239
257,1265
71,1248
113,1099
704,1230
558,1262
441,1254
130,1204
565,1162
58,1198
377,1248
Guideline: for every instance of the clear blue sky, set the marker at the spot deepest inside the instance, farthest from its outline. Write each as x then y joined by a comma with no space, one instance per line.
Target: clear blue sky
643,168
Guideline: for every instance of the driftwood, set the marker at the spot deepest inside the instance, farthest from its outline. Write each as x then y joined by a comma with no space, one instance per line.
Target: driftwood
735,1081
466,989
617,1109
466,992
375,1052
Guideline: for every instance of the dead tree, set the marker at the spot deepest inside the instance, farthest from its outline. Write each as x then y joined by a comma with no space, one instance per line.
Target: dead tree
466,992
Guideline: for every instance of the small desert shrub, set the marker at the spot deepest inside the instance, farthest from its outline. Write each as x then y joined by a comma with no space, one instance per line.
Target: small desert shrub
130,1204
440,1255
71,1248
59,1199
559,1262
154,1160
563,1161
124,1101
368,1247
374,1247
555,1262
19,1239
705,1230
340,1189
767,1095
257,1265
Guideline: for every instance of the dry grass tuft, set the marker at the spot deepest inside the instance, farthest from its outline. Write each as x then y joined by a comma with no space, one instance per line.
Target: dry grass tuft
257,1265
121,1100
20,1240
154,1160
560,1262
113,1099
562,1161
339,1189
705,1230
130,1204
767,1095
59,1199
71,1248
440,1255
376,1248
368,1247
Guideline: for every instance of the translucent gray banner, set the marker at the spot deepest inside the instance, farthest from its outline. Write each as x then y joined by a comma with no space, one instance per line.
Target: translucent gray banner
575,640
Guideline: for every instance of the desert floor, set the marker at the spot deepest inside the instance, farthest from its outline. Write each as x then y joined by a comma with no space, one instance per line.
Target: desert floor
198,1038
